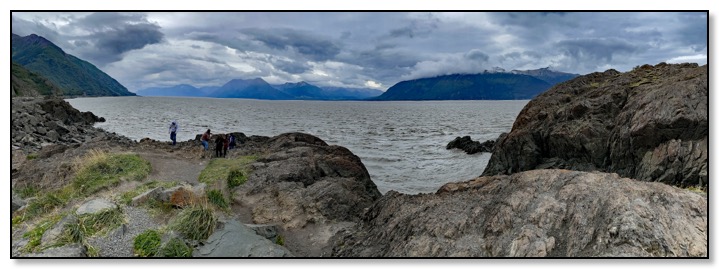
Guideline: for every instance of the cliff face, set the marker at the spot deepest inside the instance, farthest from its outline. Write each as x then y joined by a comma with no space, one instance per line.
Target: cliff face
648,124
540,213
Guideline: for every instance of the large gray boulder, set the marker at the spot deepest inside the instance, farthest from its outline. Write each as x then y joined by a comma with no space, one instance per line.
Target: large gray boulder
539,213
649,124
237,240
303,180
95,206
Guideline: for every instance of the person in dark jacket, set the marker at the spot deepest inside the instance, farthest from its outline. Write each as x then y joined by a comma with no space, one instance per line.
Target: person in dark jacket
219,145
173,132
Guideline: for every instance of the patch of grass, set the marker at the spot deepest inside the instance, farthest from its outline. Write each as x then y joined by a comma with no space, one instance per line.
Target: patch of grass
90,224
236,178
92,251
98,170
35,234
31,156
196,222
219,169
594,84
216,198
147,244
280,240
176,248
27,192
43,205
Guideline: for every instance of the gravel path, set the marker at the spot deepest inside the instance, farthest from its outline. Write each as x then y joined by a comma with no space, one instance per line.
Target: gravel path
119,243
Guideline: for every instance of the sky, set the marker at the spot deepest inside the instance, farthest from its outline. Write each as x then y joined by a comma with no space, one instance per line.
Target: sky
361,49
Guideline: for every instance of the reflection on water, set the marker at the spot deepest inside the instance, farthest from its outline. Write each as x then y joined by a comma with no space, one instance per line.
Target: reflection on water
402,144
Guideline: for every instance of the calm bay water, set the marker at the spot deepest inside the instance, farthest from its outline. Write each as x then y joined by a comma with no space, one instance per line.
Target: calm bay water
402,144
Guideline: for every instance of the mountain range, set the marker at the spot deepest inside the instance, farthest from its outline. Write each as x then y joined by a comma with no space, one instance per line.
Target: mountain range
259,89
73,76
489,85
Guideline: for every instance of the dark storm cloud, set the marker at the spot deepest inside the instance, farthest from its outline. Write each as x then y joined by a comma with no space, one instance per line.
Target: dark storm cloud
112,44
307,44
103,36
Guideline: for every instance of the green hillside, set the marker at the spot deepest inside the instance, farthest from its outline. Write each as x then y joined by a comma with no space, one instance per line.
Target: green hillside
71,74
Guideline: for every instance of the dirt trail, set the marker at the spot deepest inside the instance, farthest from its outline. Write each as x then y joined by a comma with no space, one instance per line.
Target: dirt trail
168,167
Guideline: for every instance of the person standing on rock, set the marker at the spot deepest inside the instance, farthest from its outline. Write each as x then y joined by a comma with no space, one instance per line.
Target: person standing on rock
206,139
173,132
219,145
232,141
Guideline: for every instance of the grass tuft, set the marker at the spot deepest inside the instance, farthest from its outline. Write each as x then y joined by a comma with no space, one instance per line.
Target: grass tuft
98,170
280,240
27,192
236,178
147,244
90,224
216,198
176,248
196,222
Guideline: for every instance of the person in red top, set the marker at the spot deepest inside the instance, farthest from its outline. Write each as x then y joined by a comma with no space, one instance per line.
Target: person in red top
206,139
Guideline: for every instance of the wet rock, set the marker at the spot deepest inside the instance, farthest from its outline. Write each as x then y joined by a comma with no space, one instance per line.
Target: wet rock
266,231
538,213
471,147
649,124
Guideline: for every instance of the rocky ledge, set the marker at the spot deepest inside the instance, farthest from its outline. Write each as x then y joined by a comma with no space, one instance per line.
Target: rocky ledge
539,213
648,124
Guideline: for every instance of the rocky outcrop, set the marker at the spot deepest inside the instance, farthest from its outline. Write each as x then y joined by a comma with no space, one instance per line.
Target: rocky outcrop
539,213
471,147
235,240
306,186
37,122
649,124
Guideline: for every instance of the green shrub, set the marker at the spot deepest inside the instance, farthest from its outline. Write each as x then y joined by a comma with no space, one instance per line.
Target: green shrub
176,248
31,156
98,170
195,222
280,240
236,178
147,244
215,197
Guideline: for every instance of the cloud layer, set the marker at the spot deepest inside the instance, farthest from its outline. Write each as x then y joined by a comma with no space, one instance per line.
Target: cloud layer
364,49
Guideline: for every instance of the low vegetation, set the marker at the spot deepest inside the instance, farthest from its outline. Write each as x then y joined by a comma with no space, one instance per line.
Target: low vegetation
280,240
35,234
176,248
99,170
196,222
227,169
88,225
147,244
216,198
